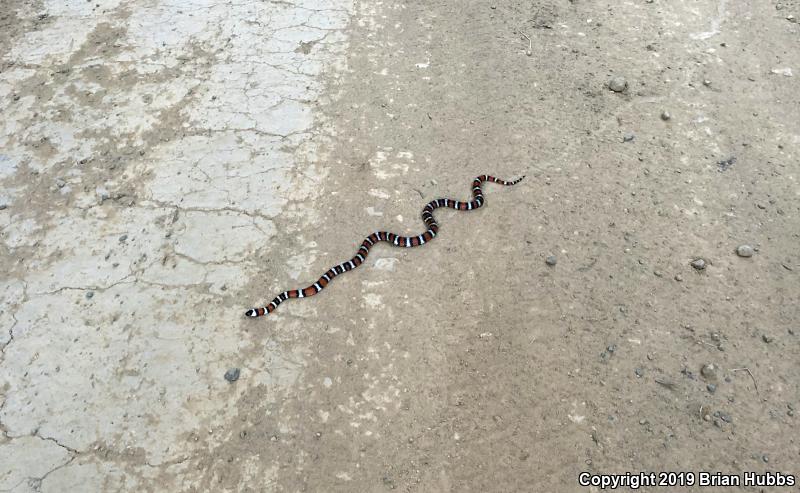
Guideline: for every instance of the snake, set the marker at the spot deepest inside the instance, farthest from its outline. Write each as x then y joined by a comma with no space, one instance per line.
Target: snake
384,236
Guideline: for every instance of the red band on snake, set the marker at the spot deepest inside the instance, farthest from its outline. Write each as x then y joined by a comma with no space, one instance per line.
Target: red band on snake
394,239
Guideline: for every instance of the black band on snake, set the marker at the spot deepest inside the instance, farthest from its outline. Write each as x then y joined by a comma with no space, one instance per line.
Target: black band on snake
396,240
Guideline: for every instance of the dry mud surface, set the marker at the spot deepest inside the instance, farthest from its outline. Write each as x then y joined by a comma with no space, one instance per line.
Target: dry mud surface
166,165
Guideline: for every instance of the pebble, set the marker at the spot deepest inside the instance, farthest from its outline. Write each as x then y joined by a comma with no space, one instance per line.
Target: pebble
709,370
698,264
765,458
665,115
60,183
232,375
3,206
767,338
628,137
618,84
551,260
745,251
89,295
678,277
707,417
639,372
123,238
711,388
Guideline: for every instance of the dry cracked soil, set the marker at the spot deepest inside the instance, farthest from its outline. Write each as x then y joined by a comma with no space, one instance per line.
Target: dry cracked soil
631,306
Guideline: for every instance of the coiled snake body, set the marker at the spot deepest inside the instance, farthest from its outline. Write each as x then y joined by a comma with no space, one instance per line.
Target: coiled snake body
394,239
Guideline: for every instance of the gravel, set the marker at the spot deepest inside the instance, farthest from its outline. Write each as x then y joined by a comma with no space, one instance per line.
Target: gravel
709,370
618,84
551,260
698,264
232,375
745,251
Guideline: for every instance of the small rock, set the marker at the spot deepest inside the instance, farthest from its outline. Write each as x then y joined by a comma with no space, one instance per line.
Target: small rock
707,417
611,348
551,260
709,371
123,238
678,277
765,458
232,375
786,72
698,264
766,338
618,84
745,251
628,137
706,82
711,388
3,206
60,183
665,115
639,372
89,295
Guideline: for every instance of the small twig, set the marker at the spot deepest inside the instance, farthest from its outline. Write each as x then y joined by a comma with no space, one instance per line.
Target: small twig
751,376
707,344
530,45
666,383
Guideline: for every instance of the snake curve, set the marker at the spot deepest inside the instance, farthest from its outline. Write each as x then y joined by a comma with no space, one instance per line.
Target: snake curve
392,238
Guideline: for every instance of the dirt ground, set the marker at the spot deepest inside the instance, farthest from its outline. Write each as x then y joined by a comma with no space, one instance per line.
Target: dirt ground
166,166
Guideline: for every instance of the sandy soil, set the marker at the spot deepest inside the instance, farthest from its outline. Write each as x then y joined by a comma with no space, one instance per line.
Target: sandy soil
164,167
